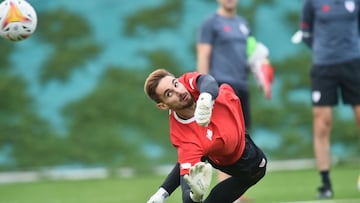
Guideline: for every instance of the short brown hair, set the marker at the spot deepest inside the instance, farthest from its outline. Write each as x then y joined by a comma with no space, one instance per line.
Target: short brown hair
152,81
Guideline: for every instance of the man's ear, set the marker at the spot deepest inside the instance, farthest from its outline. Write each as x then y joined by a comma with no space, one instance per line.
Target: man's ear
162,106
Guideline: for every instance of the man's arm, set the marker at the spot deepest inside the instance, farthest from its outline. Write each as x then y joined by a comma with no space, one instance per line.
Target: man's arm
203,57
172,181
359,22
209,90
307,18
207,83
204,45
169,185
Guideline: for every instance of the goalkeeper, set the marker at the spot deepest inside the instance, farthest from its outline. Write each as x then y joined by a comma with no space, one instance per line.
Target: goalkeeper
207,128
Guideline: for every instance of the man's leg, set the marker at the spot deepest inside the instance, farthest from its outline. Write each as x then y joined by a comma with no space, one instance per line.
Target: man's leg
227,191
185,191
230,189
322,124
221,177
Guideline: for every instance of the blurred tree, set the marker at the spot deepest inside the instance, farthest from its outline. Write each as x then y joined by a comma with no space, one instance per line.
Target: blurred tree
116,124
7,48
35,144
167,15
109,126
112,124
292,19
163,58
249,12
72,40
27,137
30,140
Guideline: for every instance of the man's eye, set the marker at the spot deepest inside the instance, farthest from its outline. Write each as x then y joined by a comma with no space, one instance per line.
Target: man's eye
168,94
176,84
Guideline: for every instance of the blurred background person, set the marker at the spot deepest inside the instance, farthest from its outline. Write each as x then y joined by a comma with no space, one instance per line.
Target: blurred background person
227,51
331,30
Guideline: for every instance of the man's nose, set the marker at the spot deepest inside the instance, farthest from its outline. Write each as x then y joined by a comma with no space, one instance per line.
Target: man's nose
177,92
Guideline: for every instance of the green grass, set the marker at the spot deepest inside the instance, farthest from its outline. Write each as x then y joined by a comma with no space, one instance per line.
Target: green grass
279,186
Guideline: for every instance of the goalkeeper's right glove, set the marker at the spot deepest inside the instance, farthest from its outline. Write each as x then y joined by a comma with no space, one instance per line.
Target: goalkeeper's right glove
203,110
199,179
159,196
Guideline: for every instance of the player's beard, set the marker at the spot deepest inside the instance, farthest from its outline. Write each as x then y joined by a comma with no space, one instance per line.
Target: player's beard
189,104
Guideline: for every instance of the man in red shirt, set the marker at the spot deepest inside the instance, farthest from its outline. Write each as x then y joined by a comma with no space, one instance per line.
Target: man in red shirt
206,126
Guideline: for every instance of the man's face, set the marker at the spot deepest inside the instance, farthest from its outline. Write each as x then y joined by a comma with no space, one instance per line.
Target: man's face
173,94
228,4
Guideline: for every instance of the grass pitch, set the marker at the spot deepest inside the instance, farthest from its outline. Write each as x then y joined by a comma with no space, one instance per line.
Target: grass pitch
277,186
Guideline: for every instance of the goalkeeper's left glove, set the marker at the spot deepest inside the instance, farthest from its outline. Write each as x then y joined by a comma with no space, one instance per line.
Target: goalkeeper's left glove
199,179
203,109
159,196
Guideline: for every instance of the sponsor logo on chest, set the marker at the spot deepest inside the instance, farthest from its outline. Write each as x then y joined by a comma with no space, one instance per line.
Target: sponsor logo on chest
243,29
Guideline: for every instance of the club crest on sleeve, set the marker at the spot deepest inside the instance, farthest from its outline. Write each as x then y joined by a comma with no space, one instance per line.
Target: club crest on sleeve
244,29
350,5
191,80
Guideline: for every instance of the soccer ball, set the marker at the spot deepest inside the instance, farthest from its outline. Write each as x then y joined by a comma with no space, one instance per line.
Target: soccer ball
18,20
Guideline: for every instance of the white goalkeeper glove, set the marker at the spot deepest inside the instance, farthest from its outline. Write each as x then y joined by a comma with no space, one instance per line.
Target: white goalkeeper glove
203,109
199,179
159,196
